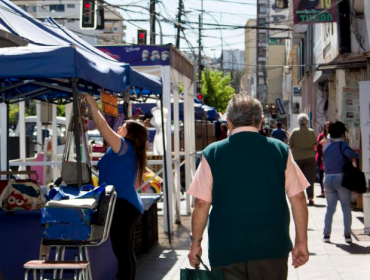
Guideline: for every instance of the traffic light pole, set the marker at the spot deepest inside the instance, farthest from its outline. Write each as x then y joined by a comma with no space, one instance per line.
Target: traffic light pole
200,52
179,25
152,22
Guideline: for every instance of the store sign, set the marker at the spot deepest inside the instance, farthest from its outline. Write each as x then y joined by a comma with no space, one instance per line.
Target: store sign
351,105
280,106
314,11
365,144
139,55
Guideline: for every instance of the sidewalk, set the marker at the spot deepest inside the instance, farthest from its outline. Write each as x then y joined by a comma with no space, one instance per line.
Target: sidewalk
332,261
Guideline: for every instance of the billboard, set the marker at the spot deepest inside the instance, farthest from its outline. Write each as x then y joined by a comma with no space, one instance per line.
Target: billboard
139,55
278,18
314,11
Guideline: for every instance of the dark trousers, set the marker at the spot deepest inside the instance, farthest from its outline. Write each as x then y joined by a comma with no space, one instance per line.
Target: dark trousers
126,216
308,167
267,269
321,175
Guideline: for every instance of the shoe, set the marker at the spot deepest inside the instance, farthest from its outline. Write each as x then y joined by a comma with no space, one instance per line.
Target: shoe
311,201
326,238
321,195
348,238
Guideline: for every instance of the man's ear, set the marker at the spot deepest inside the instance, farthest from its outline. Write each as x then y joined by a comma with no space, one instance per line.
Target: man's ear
230,125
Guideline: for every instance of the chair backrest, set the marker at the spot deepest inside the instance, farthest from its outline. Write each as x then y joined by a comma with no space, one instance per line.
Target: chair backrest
108,221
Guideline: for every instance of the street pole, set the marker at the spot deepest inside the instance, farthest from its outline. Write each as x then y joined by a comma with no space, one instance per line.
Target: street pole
179,25
200,49
152,22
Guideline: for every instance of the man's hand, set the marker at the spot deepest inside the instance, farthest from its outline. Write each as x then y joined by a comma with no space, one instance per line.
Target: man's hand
300,255
195,249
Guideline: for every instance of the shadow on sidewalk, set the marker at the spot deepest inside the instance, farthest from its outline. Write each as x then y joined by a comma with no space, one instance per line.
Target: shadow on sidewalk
354,248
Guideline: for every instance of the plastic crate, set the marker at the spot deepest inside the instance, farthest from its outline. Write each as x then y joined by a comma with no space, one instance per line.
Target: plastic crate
146,232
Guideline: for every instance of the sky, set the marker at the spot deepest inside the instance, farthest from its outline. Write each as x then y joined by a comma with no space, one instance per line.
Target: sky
218,12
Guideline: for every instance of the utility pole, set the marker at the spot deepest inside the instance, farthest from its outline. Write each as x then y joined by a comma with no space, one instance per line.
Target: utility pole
179,24
200,50
152,21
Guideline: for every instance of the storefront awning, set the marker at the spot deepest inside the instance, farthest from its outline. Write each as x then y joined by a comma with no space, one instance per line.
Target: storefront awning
358,63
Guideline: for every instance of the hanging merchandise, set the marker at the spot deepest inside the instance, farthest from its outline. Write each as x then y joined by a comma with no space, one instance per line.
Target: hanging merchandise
69,163
109,104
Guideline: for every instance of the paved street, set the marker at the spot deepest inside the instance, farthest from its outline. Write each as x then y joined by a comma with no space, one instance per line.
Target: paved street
336,260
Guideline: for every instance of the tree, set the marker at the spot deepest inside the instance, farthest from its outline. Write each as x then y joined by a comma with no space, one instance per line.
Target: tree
216,89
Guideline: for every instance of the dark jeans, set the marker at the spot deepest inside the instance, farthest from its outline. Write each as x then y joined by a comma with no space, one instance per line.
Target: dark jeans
321,175
126,216
308,167
267,269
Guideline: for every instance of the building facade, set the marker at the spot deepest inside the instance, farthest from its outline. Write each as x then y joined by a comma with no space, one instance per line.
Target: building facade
249,80
67,13
323,61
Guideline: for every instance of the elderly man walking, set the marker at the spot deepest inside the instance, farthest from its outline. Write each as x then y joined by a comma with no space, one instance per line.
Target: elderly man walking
245,178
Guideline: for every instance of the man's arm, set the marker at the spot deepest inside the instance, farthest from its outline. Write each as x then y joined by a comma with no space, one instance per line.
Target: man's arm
300,215
198,223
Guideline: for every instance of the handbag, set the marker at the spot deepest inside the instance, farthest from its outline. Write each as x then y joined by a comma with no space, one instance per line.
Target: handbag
69,164
197,274
353,178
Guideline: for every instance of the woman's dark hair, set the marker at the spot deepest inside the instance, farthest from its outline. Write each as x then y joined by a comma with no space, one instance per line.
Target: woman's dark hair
137,134
337,129
326,128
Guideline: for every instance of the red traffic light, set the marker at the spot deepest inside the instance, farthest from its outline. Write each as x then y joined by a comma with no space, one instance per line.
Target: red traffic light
87,5
200,96
141,35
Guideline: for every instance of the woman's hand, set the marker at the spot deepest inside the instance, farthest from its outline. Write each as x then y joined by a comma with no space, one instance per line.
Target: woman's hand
91,101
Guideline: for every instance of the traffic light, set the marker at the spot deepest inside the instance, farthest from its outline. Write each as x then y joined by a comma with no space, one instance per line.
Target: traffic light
89,17
200,97
141,37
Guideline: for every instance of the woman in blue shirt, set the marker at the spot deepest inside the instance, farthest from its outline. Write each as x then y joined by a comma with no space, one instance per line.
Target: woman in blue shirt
122,166
333,167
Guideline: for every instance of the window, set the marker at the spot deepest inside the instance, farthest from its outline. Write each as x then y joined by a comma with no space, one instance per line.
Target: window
71,6
28,9
261,21
115,28
262,9
56,8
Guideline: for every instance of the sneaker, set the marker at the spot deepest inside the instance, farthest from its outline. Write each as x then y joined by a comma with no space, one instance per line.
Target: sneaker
348,238
326,238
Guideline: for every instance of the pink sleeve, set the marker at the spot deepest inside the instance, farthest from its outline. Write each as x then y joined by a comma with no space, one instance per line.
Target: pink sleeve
202,184
295,181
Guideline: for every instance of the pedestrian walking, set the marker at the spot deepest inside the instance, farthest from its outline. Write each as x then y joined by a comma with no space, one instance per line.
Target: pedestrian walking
322,139
279,133
245,178
122,166
334,153
302,142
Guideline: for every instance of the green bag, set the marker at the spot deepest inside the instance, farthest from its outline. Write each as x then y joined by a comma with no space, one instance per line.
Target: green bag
197,274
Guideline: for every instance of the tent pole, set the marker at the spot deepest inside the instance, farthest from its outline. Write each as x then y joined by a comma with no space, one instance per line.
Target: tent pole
76,125
165,172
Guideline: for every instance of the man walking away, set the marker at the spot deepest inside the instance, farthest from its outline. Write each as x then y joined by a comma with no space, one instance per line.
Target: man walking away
246,178
279,133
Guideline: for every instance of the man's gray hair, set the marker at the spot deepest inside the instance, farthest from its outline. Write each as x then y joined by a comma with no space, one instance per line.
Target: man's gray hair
303,119
244,110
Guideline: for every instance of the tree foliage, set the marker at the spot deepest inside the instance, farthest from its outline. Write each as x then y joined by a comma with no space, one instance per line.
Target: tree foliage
216,89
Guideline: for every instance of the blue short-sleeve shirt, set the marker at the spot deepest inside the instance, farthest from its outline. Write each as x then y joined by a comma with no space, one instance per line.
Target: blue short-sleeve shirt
119,169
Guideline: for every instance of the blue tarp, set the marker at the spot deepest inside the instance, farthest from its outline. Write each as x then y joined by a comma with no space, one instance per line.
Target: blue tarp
55,52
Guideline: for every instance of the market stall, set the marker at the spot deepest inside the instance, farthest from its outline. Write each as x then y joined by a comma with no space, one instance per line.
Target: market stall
175,70
55,68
